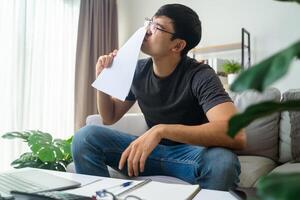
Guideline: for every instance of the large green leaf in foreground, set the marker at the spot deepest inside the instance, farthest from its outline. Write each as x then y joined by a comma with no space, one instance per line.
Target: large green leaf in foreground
268,71
285,186
239,121
298,1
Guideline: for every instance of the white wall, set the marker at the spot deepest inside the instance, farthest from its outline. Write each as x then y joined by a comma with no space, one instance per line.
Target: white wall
273,25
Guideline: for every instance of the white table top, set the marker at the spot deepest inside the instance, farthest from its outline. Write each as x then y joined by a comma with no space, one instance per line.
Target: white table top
88,179
202,195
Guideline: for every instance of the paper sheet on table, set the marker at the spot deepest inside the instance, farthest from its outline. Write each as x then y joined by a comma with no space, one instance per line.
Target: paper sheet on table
116,80
214,194
150,191
90,190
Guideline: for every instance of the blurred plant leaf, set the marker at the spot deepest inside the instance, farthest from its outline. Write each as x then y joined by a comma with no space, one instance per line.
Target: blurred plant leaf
241,120
12,135
268,71
284,186
26,160
298,1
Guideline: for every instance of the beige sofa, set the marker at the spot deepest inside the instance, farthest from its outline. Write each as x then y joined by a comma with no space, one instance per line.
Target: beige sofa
273,141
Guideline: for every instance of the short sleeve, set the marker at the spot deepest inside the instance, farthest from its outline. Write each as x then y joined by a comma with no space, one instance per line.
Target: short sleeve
208,89
130,96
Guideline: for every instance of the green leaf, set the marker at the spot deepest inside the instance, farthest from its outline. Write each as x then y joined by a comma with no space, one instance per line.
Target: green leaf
241,120
26,160
268,71
298,1
285,186
13,135
46,152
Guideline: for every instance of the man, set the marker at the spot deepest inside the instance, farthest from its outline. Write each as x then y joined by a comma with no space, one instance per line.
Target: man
185,107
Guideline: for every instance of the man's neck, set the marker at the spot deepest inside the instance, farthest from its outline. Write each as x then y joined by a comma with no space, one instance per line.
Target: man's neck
164,66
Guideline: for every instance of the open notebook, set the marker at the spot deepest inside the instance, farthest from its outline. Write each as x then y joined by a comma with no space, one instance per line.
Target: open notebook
151,190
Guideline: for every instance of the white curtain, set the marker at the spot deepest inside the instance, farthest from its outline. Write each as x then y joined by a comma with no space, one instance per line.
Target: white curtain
37,69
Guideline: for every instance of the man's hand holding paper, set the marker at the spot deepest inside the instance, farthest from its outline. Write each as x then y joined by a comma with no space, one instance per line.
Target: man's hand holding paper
116,80
105,61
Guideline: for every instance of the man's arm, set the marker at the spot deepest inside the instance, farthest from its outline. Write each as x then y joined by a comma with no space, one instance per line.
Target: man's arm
110,109
213,133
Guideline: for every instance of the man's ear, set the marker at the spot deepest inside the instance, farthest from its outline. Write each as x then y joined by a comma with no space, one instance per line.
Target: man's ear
179,46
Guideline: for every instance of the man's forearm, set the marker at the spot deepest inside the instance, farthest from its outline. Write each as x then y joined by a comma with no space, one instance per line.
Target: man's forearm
105,106
209,134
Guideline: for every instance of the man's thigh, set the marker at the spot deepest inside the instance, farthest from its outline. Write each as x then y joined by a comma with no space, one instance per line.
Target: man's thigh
179,161
110,142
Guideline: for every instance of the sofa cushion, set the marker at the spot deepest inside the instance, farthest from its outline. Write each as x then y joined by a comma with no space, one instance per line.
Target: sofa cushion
287,168
289,134
262,133
252,167
131,123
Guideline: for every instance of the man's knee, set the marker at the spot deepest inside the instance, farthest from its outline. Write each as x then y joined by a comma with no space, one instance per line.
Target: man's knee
80,138
222,167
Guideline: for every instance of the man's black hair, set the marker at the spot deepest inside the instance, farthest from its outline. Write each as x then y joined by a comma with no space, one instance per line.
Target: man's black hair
187,25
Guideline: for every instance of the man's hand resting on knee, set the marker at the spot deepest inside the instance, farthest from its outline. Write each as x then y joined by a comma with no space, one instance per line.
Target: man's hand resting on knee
138,151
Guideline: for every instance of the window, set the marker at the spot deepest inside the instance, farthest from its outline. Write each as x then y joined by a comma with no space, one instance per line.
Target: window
37,69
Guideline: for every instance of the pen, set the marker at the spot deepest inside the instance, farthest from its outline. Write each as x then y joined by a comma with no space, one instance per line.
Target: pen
121,185
102,193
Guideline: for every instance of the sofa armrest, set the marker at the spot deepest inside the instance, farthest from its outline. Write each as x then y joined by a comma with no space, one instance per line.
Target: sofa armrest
131,123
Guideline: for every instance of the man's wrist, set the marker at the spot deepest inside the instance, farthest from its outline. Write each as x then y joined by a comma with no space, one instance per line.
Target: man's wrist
163,130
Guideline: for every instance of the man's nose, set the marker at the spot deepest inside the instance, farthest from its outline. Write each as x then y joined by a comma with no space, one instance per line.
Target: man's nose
148,32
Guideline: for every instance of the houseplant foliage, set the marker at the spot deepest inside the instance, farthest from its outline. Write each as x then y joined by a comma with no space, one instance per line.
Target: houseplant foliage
274,186
46,152
231,67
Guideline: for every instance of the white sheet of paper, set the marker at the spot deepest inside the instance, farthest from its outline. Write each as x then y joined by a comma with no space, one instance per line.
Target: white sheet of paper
214,194
90,190
150,191
116,80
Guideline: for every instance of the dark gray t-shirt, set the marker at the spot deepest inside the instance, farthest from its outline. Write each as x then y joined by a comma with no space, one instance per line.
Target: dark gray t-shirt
183,97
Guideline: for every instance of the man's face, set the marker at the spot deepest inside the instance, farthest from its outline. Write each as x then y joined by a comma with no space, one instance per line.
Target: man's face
157,41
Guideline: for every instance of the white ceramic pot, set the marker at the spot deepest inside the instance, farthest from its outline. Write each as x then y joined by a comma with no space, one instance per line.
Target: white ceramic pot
231,78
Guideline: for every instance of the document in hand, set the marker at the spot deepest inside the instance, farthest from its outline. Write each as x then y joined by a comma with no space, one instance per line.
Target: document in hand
116,80
151,190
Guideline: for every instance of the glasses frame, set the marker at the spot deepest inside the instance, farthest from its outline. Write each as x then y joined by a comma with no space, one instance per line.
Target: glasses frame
149,22
104,193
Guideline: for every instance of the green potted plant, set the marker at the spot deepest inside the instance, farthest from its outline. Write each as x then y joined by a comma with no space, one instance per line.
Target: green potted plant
231,68
260,76
46,152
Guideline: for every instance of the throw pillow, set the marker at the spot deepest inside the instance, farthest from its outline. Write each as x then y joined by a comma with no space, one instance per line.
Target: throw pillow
262,134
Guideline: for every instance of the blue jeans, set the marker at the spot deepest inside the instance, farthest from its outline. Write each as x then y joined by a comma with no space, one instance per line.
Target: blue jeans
95,147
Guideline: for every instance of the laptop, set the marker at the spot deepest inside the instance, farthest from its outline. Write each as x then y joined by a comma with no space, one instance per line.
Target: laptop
32,180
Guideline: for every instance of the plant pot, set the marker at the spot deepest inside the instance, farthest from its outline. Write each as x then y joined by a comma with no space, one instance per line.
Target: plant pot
231,78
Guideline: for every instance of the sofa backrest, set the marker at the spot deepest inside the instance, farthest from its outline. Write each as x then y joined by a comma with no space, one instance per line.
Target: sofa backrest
132,123
262,134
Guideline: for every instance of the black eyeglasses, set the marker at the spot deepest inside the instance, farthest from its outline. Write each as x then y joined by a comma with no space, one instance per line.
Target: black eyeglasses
106,195
153,26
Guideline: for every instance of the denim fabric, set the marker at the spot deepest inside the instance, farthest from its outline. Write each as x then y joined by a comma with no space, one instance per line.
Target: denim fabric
95,147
